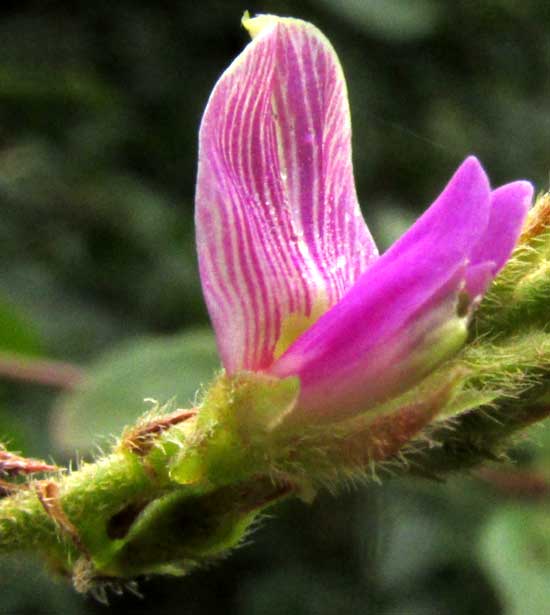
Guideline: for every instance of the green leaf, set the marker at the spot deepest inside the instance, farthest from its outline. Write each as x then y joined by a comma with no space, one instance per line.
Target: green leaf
117,384
515,550
16,333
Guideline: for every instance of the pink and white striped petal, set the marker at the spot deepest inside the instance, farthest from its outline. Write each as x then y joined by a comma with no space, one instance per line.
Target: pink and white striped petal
279,231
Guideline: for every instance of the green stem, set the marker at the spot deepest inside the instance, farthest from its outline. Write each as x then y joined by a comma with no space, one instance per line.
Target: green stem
125,515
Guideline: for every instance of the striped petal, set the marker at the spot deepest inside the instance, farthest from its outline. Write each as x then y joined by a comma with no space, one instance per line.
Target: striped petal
280,235
404,315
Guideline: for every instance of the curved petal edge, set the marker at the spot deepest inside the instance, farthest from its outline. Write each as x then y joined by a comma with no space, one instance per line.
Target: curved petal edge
279,231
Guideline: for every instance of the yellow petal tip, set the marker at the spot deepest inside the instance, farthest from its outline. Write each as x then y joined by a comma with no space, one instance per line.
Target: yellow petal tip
256,25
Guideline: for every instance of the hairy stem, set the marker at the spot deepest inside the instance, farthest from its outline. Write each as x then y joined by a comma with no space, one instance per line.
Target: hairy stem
126,515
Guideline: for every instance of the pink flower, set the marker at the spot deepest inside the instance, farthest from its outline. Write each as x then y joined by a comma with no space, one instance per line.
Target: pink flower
292,278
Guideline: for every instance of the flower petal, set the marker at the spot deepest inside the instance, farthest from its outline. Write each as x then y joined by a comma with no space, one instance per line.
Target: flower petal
509,206
279,231
456,221
402,317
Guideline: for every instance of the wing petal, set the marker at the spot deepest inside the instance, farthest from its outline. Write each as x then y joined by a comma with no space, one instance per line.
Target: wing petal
403,316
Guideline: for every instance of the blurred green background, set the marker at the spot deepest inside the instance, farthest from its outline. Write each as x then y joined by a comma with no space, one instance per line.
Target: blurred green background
100,104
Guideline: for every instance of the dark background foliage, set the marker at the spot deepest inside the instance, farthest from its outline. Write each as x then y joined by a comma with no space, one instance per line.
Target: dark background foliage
100,104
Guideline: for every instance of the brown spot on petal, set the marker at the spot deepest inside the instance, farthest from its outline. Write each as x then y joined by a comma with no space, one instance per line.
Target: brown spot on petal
463,305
